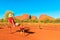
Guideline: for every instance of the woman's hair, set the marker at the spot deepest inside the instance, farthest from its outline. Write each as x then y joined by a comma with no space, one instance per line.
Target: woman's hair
9,14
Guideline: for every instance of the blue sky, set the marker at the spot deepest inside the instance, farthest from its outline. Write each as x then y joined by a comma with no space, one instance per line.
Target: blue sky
32,7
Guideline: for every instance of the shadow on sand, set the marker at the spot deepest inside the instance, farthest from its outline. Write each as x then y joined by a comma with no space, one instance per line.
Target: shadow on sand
24,31
28,32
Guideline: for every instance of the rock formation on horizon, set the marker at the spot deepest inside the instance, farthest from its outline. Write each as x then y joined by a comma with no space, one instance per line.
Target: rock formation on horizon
23,17
33,17
43,17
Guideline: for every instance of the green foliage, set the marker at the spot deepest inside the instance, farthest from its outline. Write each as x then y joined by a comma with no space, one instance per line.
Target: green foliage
17,20
1,20
29,20
5,20
57,20
26,20
46,21
42,21
35,21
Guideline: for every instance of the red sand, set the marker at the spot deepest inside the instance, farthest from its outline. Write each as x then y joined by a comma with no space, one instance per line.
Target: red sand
40,34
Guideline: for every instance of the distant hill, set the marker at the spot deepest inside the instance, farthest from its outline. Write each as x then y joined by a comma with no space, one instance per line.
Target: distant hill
23,17
42,17
33,17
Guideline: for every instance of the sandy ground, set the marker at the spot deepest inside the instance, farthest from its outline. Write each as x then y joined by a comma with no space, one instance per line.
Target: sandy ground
46,33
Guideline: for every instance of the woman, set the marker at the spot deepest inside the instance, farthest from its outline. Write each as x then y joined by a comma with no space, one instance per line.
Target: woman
13,23
11,19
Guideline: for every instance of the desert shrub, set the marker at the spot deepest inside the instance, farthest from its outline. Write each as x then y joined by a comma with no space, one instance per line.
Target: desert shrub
1,20
42,21
35,21
17,20
46,21
57,20
26,20
29,20
5,20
